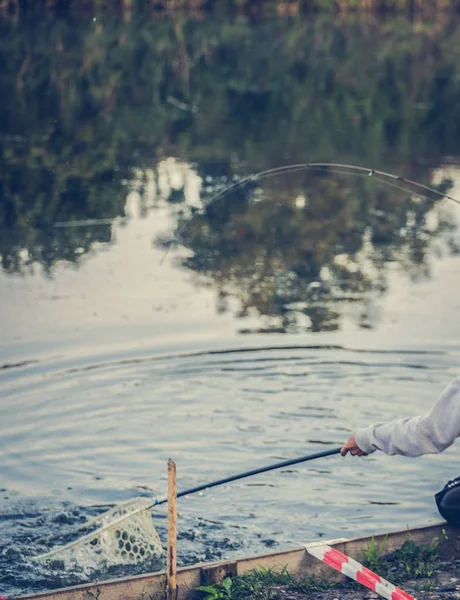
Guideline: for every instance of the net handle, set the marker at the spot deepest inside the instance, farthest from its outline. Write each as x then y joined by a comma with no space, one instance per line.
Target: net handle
279,465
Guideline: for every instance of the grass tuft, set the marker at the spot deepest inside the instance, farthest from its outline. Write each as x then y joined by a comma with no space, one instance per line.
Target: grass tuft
411,561
262,584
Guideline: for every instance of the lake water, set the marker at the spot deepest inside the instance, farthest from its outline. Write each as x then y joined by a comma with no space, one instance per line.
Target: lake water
284,315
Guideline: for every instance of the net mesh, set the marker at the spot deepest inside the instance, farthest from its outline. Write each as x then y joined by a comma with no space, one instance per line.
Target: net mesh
125,534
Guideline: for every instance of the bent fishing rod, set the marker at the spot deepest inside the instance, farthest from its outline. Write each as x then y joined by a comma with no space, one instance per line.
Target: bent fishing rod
384,177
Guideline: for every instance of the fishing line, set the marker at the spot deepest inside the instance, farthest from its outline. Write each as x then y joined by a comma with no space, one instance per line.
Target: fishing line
341,168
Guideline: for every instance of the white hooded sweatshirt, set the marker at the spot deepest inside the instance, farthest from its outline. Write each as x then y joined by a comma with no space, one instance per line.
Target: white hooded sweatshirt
426,434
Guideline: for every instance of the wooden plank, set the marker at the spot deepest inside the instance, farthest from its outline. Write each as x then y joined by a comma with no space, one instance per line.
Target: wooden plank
297,562
446,537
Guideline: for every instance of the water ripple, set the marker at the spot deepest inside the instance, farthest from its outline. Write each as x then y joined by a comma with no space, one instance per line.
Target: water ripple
77,437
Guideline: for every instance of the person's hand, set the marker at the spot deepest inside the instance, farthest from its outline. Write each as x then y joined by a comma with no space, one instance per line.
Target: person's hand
352,447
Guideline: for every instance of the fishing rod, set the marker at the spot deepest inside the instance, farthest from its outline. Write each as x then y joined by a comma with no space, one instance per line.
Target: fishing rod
384,177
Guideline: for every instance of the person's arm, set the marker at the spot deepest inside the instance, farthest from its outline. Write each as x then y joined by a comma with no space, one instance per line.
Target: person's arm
426,434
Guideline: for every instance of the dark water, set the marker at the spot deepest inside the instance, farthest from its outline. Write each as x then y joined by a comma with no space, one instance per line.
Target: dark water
285,314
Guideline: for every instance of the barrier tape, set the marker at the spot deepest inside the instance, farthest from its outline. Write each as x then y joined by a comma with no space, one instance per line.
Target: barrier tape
355,570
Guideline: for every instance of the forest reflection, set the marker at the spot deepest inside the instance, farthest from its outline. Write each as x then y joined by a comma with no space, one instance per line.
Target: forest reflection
298,248
87,106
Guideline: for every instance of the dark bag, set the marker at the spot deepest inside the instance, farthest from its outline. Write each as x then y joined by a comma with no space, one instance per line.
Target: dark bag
448,502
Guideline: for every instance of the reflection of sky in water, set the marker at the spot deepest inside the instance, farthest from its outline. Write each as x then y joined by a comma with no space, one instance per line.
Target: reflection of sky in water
95,419
120,292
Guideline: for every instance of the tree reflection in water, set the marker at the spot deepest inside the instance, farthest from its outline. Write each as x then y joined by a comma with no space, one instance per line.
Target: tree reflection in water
296,249
84,102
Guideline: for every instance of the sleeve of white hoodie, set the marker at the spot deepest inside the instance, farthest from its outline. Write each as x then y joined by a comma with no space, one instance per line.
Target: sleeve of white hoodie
426,434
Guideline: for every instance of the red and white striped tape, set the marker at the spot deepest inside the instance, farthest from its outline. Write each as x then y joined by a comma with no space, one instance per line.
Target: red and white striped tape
353,569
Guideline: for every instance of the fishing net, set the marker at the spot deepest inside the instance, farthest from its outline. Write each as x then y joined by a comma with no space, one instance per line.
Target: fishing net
124,534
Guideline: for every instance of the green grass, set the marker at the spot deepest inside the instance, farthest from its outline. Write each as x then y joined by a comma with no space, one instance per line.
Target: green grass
411,561
261,584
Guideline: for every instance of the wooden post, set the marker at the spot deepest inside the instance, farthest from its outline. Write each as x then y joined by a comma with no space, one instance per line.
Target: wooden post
171,577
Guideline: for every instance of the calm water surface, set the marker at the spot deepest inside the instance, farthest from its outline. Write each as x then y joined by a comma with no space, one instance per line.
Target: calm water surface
284,315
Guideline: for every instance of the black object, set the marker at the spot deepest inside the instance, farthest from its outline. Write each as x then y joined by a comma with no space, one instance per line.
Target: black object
448,502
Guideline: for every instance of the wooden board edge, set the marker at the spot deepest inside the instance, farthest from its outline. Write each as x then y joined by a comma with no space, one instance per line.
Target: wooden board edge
296,561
